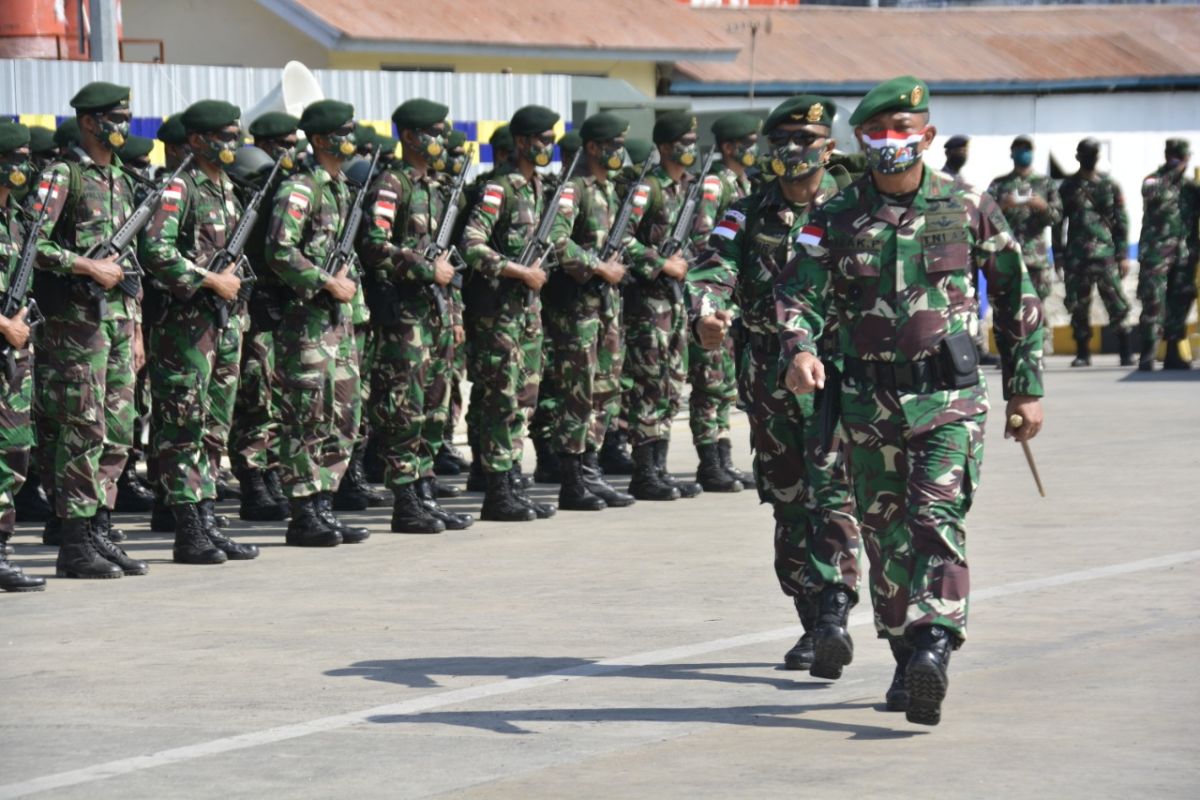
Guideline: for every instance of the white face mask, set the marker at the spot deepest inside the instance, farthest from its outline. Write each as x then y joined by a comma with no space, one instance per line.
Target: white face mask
891,152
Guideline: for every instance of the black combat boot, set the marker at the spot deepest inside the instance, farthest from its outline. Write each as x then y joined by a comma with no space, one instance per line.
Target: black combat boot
687,489
132,495
832,646
646,483
306,528
232,550
192,545
162,520
257,504
12,579
711,476
518,477
52,531
927,677
800,657
1174,357
477,480
373,466
444,491
102,537
410,515
449,461
896,698
1146,357
275,488
225,488
351,534
725,449
549,468
1083,353
500,504
78,557
32,502
593,479
520,486
354,493
427,491
574,494
615,458
1125,348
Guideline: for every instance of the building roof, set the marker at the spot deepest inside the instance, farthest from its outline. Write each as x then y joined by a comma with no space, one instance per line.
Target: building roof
962,49
623,30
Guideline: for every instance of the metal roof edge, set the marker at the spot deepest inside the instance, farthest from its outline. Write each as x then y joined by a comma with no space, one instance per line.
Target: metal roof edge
304,21
356,45
783,88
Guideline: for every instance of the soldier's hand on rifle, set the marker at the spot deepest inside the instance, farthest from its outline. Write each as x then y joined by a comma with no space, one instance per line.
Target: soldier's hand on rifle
459,333
443,270
712,329
1030,411
1037,203
805,374
15,329
611,272
341,287
1127,265
675,267
105,271
533,276
226,284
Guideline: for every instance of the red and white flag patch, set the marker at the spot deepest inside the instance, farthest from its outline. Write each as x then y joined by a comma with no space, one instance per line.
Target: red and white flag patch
810,236
729,226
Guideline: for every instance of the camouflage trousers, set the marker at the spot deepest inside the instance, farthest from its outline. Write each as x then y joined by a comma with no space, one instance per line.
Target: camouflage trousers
316,368
550,394
254,436
915,470
1166,289
16,436
713,376
194,368
458,373
817,539
506,367
410,378
1041,277
1106,278
85,409
655,355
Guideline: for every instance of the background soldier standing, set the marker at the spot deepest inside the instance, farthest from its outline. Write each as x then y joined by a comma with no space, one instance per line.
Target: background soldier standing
1030,203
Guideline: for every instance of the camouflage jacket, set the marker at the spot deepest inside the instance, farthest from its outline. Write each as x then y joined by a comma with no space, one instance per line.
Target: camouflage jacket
193,223
656,205
1170,207
586,213
746,253
507,213
1097,227
1028,226
722,188
899,278
104,202
12,238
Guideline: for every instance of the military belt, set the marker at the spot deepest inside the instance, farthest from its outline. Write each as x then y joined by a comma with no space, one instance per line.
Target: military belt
917,377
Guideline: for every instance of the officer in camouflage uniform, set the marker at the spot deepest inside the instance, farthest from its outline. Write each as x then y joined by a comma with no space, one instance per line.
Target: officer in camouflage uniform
1168,251
314,344
890,258
1093,252
817,541
16,390
712,373
583,319
503,308
194,369
1030,203
655,317
91,338
411,316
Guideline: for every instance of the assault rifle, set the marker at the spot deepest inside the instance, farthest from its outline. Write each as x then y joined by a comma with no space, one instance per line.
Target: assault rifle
343,253
681,233
442,244
16,297
614,242
539,245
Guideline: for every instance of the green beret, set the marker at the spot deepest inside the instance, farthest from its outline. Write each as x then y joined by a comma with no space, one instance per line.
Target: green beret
1178,147
13,135
532,120
638,149
41,140
1024,140
673,125
325,116
1088,145
602,127
502,138
67,134
732,127
100,96
172,130
135,147
273,125
905,93
210,115
570,142
365,135
412,115
386,144
455,140
804,109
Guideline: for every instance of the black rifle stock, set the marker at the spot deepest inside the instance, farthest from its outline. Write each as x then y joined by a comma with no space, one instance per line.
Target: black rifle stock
680,234
442,244
539,246
343,253
17,297
614,242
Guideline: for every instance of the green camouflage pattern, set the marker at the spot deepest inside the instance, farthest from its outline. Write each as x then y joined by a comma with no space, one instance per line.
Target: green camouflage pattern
1029,226
1167,253
254,435
1095,239
16,396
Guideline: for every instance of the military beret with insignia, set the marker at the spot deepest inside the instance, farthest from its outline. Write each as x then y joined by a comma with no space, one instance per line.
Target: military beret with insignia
67,134
638,149
602,127
732,127
100,96
673,125
172,130
532,120
135,147
418,113
41,140
209,115
1178,147
803,109
13,136
325,116
502,138
905,93
455,140
957,140
570,141
273,125
1023,140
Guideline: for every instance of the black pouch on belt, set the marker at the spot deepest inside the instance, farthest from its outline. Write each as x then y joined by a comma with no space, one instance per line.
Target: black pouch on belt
958,361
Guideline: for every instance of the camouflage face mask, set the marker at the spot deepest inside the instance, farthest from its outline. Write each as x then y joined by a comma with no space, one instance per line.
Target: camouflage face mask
892,152
17,172
113,133
793,162
684,154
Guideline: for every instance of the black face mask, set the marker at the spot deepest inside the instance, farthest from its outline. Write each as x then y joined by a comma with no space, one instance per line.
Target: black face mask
1088,161
955,162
